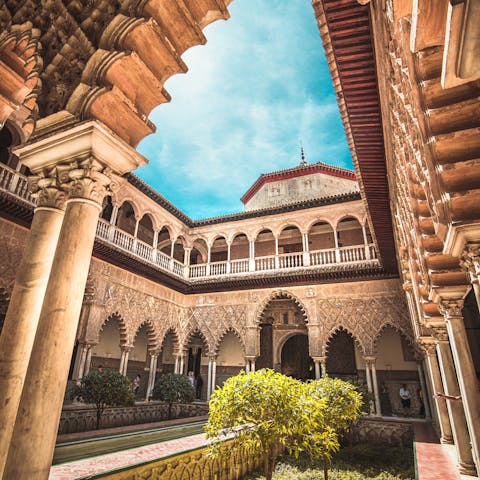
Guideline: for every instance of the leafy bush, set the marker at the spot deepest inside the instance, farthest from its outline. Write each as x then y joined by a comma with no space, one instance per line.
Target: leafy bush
173,388
360,462
104,389
268,413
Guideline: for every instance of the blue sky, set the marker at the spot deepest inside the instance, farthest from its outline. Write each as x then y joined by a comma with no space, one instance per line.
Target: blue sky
253,93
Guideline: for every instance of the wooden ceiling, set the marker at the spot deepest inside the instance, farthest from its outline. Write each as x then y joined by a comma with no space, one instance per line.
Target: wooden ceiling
347,37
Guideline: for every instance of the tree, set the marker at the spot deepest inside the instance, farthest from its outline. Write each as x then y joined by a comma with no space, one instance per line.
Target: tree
343,404
268,413
104,389
171,388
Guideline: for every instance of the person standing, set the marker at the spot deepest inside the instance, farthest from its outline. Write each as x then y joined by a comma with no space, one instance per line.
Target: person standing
198,386
191,378
136,384
405,398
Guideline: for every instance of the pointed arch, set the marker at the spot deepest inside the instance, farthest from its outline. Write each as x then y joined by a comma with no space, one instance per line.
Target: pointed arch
280,294
407,335
152,335
176,338
197,332
225,332
122,327
340,328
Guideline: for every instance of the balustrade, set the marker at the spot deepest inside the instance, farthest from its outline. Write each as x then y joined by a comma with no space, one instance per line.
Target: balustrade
16,184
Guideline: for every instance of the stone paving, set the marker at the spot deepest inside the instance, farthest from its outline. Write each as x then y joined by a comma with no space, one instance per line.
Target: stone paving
433,461
104,463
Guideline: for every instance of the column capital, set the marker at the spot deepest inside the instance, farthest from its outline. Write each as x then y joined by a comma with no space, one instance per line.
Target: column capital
427,344
370,359
47,191
251,358
470,258
440,334
451,307
321,359
126,348
212,358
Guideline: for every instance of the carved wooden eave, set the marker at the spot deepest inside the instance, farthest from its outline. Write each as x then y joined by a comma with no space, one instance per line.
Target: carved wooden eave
432,140
347,39
109,60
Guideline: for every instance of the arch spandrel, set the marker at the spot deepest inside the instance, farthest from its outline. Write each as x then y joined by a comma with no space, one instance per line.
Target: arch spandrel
280,294
223,334
152,335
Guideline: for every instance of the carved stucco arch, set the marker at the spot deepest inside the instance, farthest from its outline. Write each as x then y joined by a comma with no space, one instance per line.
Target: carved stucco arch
225,332
355,216
400,330
358,342
280,294
152,335
176,338
122,327
194,332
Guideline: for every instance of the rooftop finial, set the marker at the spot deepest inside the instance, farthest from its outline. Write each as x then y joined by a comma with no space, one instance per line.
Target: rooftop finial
303,162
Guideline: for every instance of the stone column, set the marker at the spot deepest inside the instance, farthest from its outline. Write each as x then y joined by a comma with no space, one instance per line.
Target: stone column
113,221
369,381
151,375
186,261
229,252
318,372
365,241
247,365
175,369
209,255
214,373
337,252
306,250
277,259
376,392
426,403
87,181
465,370
154,246
21,321
470,261
251,256
88,360
181,367
209,379
78,375
455,409
434,371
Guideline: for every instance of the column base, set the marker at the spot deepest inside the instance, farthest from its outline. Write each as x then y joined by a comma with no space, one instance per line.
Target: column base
467,469
447,440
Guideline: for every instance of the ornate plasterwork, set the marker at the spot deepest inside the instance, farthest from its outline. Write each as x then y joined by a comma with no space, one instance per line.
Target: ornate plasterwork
451,307
363,318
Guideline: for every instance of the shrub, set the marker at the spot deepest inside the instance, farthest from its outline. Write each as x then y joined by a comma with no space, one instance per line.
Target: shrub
104,389
173,388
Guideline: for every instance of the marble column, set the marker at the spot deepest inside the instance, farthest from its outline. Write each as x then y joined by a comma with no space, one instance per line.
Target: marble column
421,377
435,377
21,321
455,409
318,371
88,360
209,378
78,374
376,391
87,181
369,382
465,370
214,373
151,375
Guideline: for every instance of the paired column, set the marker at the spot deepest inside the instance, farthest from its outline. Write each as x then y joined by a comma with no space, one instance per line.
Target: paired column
21,321
212,374
455,408
434,371
86,181
125,349
421,376
372,369
320,367
465,370
250,363
151,374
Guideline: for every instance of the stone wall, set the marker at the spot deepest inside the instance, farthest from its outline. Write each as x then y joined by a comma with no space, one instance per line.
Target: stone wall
76,418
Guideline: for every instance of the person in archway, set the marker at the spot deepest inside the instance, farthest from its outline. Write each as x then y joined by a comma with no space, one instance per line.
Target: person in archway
136,384
405,398
198,386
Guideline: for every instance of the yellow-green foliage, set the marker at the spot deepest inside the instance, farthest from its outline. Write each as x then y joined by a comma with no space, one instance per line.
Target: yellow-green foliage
267,413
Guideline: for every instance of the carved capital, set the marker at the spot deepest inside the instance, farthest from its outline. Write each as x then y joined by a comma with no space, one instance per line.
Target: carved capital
470,259
440,333
47,192
428,346
87,179
451,307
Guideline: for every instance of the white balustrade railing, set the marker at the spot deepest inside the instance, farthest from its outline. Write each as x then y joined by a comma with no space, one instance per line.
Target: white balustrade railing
290,260
178,268
218,268
16,184
265,263
239,266
197,271
352,254
323,257
162,260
